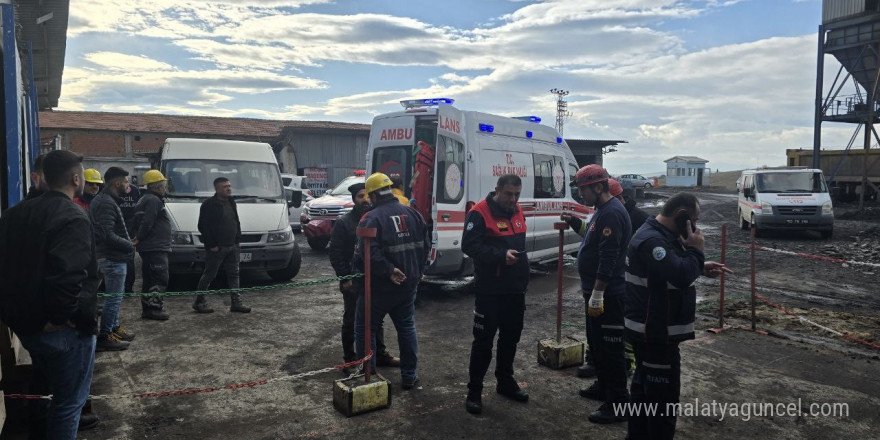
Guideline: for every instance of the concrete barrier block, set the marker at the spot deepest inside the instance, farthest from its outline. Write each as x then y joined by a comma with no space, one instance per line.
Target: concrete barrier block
557,355
353,396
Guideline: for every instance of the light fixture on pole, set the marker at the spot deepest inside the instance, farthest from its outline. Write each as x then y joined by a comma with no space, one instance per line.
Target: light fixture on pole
561,108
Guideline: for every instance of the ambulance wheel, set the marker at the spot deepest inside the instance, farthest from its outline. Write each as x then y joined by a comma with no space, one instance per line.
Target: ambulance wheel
757,231
318,243
286,274
743,224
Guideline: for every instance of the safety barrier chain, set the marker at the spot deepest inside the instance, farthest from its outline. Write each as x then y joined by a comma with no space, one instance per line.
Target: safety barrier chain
240,290
205,390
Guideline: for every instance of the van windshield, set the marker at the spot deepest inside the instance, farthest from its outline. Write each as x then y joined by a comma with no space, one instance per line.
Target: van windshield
790,182
195,178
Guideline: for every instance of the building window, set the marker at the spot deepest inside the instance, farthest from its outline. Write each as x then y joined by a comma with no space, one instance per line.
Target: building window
137,137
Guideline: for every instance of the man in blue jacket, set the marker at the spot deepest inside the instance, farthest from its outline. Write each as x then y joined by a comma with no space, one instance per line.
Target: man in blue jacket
601,268
664,259
495,238
398,258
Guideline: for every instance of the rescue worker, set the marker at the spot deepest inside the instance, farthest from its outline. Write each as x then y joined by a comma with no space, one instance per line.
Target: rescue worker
664,257
398,258
342,244
152,230
48,271
397,190
494,237
114,248
129,200
601,268
637,217
221,235
93,186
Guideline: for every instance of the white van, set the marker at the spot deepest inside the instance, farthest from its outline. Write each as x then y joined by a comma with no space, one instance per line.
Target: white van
472,150
785,198
267,242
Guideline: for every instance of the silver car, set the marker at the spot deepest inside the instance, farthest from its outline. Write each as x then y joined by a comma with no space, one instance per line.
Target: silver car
635,181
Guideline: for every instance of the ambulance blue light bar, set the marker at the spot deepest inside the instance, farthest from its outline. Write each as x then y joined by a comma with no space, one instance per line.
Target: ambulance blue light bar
559,140
487,128
534,119
430,102
528,134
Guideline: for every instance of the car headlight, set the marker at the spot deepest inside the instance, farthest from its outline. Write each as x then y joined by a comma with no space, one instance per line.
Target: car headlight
280,236
181,238
766,208
826,208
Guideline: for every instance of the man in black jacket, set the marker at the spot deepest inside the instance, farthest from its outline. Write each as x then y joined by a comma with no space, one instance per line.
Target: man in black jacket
114,248
495,237
129,200
398,257
48,272
152,231
221,234
342,244
38,185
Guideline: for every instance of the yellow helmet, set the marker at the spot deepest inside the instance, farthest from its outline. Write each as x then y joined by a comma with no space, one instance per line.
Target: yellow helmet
377,181
92,175
153,176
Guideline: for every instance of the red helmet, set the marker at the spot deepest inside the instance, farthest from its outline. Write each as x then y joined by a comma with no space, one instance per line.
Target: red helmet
589,175
614,188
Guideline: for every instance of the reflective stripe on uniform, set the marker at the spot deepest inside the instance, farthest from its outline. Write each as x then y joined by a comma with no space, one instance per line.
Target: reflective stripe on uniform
405,247
657,366
634,326
680,329
613,327
638,281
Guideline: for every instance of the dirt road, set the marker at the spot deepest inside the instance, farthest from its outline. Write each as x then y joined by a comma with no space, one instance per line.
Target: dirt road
297,330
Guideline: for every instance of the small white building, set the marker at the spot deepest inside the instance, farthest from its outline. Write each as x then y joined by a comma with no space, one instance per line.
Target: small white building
686,171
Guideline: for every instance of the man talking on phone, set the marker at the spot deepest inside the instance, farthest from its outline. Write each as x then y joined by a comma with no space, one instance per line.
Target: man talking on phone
664,258
601,268
495,238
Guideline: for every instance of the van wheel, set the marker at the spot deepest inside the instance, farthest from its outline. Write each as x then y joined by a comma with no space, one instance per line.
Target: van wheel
318,243
743,224
827,234
648,185
752,223
292,268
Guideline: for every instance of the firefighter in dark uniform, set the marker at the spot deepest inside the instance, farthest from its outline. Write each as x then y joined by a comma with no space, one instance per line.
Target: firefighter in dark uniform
637,217
664,259
601,268
495,238
398,258
341,249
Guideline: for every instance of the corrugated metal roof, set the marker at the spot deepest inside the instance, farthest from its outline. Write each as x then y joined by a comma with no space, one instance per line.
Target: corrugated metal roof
48,42
176,124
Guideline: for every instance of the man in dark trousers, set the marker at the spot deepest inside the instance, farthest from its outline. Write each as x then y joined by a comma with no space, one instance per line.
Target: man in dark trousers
342,244
152,230
114,249
664,257
48,271
398,258
221,235
495,238
601,268
128,201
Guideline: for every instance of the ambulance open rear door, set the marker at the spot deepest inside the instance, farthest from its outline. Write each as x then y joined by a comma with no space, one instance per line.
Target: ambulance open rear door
448,211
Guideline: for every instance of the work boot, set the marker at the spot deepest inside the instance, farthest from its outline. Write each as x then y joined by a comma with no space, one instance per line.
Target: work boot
605,414
594,392
408,382
88,421
238,307
155,314
474,402
110,342
152,307
586,370
123,334
512,391
201,305
387,360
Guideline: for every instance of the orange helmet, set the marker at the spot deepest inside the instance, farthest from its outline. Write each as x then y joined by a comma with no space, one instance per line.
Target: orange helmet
614,187
589,175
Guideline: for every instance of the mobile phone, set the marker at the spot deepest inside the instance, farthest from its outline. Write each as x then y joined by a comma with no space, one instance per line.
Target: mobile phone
681,222
518,254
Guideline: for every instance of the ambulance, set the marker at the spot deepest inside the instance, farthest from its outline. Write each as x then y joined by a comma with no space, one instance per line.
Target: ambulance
785,198
449,159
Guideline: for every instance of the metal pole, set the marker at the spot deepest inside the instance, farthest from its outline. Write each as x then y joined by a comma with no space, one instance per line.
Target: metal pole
723,261
820,79
754,291
561,227
367,234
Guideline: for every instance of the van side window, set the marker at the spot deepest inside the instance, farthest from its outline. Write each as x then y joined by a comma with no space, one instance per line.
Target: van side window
549,177
572,171
450,170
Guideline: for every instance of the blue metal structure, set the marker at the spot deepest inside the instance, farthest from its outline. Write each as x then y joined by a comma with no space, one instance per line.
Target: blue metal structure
13,183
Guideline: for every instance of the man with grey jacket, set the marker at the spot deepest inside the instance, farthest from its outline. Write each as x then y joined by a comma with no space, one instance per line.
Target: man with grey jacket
113,248
152,233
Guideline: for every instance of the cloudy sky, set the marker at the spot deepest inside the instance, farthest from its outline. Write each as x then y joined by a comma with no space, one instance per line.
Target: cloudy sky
731,81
